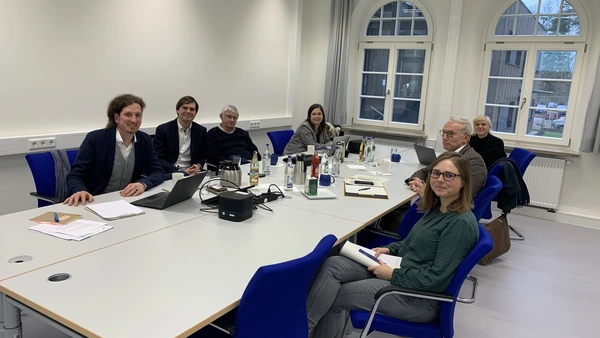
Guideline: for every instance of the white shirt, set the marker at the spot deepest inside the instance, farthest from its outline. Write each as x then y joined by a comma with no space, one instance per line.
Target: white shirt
124,150
184,160
225,131
459,149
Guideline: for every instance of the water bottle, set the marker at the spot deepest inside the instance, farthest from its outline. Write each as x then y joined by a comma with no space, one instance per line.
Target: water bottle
372,152
367,153
289,175
335,162
266,161
361,151
324,167
254,168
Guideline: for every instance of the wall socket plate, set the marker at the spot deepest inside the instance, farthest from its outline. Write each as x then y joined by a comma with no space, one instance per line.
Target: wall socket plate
42,143
254,124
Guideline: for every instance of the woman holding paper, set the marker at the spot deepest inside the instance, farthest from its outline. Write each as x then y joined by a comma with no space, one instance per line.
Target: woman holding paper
431,253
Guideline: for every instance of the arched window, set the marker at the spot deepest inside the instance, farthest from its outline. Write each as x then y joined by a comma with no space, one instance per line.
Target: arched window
394,55
533,59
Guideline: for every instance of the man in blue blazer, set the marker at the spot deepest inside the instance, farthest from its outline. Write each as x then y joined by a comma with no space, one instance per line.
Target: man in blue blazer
181,144
114,158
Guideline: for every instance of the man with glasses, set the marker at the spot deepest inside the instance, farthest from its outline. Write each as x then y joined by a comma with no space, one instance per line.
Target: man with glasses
180,144
455,137
226,140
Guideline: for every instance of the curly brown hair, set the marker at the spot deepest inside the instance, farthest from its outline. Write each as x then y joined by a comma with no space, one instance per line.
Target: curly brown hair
118,103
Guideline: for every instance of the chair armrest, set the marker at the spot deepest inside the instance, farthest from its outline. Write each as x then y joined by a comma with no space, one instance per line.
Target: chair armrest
52,200
398,290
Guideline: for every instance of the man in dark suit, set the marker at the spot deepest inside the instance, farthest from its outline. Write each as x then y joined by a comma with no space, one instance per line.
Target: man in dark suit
455,137
114,158
226,140
181,144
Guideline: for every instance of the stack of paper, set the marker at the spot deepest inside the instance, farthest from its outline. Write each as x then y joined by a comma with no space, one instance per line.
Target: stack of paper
114,210
76,230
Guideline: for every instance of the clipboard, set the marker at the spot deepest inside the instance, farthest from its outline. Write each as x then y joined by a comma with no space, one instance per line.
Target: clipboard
378,192
63,218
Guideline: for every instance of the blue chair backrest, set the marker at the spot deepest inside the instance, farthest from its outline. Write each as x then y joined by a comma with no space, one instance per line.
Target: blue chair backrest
279,139
411,217
523,157
490,190
483,246
274,302
42,170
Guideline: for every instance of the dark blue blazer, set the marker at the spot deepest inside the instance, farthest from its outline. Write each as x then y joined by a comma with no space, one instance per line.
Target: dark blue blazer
94,163
166,144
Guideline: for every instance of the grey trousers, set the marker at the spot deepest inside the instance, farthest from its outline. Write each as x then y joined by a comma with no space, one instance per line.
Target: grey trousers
344,285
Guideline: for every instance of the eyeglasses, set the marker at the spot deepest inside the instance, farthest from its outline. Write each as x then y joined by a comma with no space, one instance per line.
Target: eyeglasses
230,117
449,133
448,176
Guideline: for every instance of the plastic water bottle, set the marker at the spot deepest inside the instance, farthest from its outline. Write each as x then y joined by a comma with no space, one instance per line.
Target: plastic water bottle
289,175
324,167
372,152
367,154
266,161
254,168
335,162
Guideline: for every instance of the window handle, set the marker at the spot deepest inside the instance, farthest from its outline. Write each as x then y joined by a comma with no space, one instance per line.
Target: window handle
523,102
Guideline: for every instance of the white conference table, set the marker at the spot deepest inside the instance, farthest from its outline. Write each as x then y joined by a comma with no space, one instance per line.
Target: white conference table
102,277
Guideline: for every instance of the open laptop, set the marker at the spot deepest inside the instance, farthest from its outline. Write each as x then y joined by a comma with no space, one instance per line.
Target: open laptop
344,139
183,190
425,155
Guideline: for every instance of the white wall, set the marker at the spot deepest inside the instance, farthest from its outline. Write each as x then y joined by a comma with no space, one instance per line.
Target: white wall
62,61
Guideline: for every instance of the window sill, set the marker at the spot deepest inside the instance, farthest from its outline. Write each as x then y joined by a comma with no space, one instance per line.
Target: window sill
542,150
386,132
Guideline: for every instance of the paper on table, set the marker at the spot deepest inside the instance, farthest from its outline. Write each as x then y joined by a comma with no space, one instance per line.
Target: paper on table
76,230
114,210
369,178
365,190
356,166
352,181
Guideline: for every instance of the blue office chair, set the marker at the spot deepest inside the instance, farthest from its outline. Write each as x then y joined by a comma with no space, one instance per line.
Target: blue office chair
523,158
444,326
42,170
279,139
374,238
274,302
484,199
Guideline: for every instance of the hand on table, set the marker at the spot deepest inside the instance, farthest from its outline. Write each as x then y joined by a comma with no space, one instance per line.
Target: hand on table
82,196
133,189
193,169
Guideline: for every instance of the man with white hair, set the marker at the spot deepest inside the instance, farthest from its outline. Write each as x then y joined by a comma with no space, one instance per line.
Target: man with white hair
226,141
455,137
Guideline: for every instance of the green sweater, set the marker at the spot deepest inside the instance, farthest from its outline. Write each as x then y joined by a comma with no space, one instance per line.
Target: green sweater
434,249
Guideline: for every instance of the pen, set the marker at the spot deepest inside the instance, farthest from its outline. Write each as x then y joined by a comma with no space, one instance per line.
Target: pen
56,218
363,189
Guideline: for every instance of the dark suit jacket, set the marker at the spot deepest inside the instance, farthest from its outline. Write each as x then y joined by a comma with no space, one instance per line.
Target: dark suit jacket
166,144
94,163
478,170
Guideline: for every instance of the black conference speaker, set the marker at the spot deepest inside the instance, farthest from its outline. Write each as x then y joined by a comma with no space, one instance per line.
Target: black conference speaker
236,206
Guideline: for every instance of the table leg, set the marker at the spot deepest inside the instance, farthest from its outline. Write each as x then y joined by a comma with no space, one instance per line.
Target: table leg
12,320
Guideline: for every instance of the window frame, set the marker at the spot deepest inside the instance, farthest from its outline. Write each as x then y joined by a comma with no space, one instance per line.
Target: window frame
393,43
532,49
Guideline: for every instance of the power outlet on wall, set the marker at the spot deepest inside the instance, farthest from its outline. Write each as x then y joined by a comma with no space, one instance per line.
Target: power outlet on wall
254,124
42,143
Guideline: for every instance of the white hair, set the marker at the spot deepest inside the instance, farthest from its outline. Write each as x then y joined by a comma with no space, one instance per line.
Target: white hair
467,129
230,108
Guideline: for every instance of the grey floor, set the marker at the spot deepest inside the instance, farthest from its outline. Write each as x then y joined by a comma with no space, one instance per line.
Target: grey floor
546,286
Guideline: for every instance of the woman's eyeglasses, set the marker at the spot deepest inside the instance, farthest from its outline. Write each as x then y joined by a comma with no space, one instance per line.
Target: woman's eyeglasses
448,176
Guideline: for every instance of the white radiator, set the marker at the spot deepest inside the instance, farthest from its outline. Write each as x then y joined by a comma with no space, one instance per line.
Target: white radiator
544,180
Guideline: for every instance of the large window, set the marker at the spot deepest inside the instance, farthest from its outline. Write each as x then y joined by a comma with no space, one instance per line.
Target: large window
394,54
533,70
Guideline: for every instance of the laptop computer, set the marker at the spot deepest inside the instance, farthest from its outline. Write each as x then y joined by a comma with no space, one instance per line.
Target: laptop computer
425,155
183,190
344,139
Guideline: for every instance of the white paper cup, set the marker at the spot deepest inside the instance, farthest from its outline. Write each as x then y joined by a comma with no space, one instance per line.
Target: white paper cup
385,166
310,149
177,177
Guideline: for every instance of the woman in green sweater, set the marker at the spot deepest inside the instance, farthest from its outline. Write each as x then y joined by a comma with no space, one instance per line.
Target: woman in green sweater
431,253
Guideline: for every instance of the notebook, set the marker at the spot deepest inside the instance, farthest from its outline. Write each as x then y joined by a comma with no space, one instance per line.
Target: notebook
425,155
114,210
183,190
